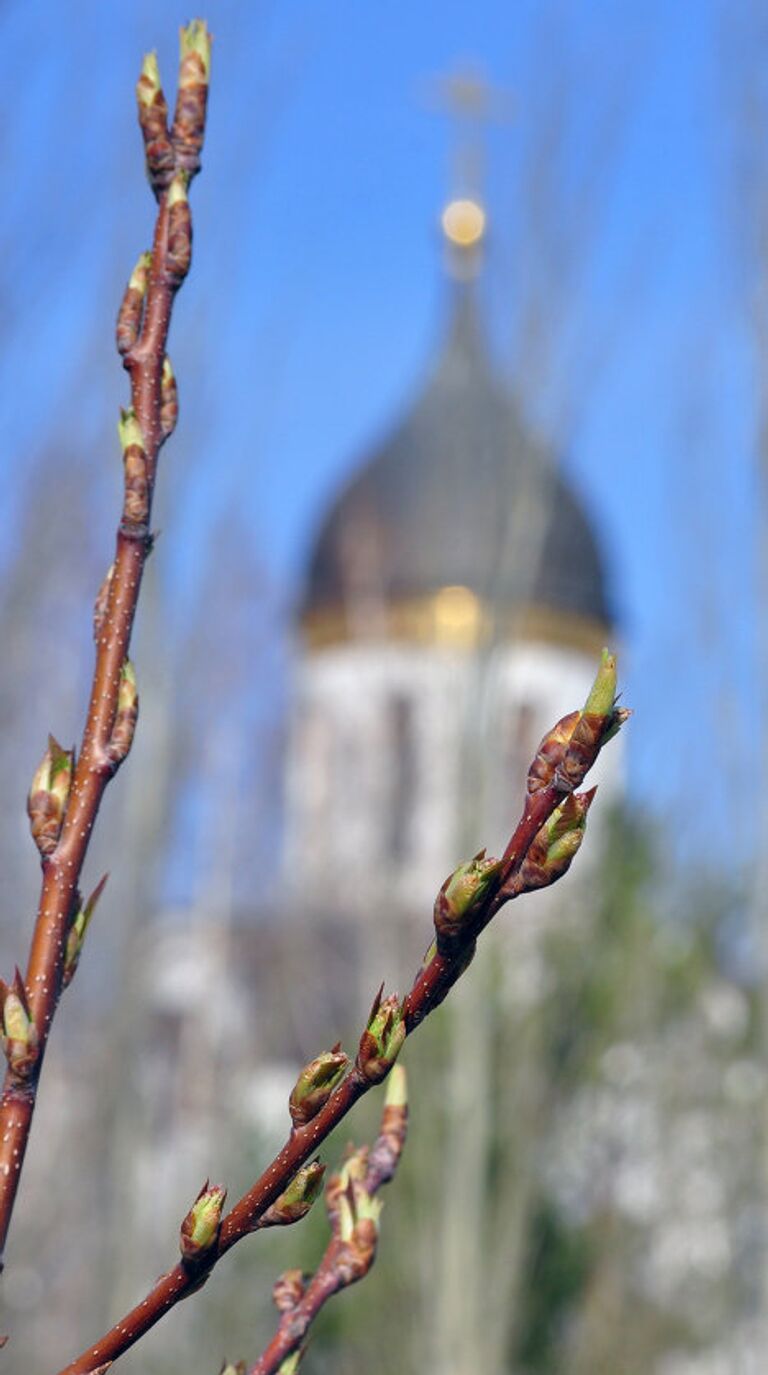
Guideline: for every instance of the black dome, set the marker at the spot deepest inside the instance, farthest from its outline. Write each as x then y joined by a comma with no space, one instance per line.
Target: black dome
460,494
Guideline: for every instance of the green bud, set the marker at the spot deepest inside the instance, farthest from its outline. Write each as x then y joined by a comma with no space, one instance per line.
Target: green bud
177,191
597,723
48,796
126,716
137,488
129,430
153,120
356,1228
169,399
355,1167
356,1205
188,127
619,716
291,1363
101,603
315,1085
569,750
148,86
461,898
429,955
555,845
132,306
396,1095
20,1039
200,1228
127,696
567,820
382,1040
288,1290
194,41
139,278
295,1202
54,772
179,246
602,694
550,752
76,933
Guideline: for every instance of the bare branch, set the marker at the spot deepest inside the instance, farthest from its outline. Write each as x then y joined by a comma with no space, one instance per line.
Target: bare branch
65,798
569,750
353,1211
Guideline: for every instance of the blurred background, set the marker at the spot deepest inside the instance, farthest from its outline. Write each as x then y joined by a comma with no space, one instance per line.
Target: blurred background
473,366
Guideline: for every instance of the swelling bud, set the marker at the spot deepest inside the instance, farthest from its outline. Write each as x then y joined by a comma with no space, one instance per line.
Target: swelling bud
200,1228
382,1040
315,1085
461,898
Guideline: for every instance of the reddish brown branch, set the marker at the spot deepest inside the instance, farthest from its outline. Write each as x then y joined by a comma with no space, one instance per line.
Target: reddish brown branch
351,1250
433,981
143,344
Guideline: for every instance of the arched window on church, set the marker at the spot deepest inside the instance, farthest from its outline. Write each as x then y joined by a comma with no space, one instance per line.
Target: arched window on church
403,777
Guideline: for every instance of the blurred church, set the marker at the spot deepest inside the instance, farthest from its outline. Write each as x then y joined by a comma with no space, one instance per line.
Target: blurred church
454,605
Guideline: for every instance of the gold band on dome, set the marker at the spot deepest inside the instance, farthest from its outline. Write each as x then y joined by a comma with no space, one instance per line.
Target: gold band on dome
454,618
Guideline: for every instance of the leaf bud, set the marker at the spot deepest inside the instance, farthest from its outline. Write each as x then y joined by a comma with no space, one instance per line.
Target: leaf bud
153,120
315,1085
288,1290
100,605
295,1202
76,934
396,1093
136,492
381,1042
357,1231
179,251
550,752
355,1167
356,1205
192,98
127,714
554,847
194,53
460,899
20,1039
48,796
169,400
569,750
386,1150
597,723
132,307
200,1228
291,1363
148,87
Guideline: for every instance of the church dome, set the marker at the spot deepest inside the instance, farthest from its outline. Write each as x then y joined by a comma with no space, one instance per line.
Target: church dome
460,515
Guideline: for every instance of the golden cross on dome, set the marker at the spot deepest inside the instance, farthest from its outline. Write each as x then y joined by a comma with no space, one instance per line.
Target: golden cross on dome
470,100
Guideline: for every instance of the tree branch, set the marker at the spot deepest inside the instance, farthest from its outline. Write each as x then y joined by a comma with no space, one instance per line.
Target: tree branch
352,1248
539,853
142,334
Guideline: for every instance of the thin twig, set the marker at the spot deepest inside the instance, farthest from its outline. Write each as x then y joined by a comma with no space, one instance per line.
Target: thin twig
351,1250
392,1021
142,336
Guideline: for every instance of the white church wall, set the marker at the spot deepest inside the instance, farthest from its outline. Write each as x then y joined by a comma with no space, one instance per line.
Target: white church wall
377,760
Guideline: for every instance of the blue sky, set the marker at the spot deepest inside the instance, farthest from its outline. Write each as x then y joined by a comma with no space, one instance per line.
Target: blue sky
317,295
